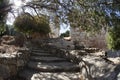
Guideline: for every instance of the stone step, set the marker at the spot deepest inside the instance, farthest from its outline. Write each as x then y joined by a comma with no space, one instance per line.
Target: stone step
35,50
41,54
47,59
53,67
32,75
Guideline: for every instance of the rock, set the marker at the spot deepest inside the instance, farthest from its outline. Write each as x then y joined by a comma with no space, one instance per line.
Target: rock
4,71
31,75
93,63
54,67
118,76
17,40
113,54
8,40
1,78
91,50
41,54
47,59
10,63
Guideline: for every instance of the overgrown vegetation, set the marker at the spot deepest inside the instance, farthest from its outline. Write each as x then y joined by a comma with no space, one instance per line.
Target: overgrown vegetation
113,19
29,24
113,37
89,19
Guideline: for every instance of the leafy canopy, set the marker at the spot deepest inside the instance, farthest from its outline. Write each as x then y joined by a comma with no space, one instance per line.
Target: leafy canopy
30,24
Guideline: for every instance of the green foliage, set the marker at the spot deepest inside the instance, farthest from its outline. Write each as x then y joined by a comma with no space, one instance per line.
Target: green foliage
24,23
2,29
42,24
90,19
113,38
29,24
66,34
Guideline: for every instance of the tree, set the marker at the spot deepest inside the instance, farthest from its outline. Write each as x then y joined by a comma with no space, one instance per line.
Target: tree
42,24
88,16
29,24
24,23
4,9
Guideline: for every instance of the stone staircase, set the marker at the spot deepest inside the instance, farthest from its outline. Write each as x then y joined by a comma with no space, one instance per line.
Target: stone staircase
45,66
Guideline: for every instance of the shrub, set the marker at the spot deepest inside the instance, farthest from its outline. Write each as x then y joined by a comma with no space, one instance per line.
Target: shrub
113,38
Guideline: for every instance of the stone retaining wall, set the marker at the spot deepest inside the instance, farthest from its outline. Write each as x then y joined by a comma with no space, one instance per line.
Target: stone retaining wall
11,63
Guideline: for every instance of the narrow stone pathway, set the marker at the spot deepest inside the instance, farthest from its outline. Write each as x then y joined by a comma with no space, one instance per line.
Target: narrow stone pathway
45,66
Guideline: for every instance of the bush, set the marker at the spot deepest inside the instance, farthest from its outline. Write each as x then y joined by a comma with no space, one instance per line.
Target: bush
31,24
113,38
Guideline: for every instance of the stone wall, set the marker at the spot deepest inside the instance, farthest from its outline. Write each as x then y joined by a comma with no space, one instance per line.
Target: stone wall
93,63
84,38
54,30
13,55
11,63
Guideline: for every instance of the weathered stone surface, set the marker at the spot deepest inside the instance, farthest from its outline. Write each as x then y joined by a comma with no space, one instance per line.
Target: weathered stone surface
94,64
10,63
53,67
91,50
10,40
113,56
4,71
40,54
39,51
13,56
47,59
31,75
118,77
17,40
58,42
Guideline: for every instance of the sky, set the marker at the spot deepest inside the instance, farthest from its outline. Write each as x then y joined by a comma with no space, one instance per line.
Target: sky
64,28
16,6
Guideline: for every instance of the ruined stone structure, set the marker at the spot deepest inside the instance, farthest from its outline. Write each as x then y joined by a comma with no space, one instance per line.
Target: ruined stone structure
92,63
51,62
54,30
88,40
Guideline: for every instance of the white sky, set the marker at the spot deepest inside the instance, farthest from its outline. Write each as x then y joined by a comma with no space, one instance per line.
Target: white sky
64,28
16,7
